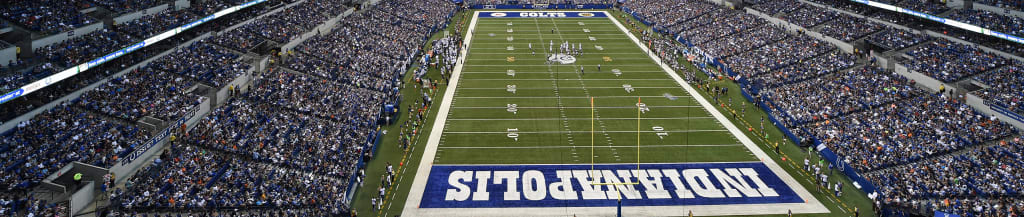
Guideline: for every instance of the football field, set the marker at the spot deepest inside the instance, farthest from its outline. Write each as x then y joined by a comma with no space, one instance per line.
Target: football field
529,128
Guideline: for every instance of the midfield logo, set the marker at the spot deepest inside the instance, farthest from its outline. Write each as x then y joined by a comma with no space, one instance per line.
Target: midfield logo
543,14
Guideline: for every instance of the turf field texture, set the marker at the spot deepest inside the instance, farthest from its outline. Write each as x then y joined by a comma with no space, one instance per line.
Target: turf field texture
515,107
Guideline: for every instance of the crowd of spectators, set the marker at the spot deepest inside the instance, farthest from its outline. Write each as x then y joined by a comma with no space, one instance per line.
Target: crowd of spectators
837,95
239,39
897,39
78,50
906,131
47,16
502,2
17,203
777,55
731,24
845,5
193,178
320,97
848,28
1005,85
121,6
821,65
924,6
142,92
809,16
294,138
150,25
15,79
42,145
873,119
369,49
948,183
672,14
773,8
756,37
296,20
1008,4
207,63
949,61
1003,23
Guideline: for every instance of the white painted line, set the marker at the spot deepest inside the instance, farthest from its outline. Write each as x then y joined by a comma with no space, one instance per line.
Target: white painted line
587,146
552,97
562,79
547,88
609,66
811,206
553,119
603,131
426,162
416,192
577,107
588,54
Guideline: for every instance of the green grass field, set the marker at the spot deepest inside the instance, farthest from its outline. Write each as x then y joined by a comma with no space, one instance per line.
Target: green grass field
553,115
548,118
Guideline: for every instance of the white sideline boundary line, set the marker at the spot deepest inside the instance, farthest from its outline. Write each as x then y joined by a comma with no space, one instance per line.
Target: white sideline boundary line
426,162
583,146
419,184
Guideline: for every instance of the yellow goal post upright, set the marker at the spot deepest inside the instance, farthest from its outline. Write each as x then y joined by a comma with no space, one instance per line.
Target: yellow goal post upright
592,154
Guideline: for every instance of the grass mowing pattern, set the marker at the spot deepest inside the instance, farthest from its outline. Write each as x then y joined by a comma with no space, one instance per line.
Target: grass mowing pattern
552,118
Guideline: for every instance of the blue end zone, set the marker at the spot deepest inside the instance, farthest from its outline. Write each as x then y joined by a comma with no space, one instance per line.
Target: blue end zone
500,186
514,14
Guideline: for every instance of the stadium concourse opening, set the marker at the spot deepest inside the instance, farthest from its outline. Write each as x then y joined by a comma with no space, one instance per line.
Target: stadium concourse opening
516,133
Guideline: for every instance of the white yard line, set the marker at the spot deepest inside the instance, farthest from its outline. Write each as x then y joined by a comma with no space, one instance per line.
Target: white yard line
591,53
609,66
584,146
577,107
553,97
525,43
412,203
545,88
553,119
582,131
811,205
561,79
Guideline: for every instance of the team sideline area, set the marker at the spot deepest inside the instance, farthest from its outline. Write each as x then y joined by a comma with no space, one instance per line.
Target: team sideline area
172,108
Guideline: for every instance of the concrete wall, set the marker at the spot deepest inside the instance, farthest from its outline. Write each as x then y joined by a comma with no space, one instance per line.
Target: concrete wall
223,94
83,197
955,3
139,14
182,4
8,54
923,80
59,37
882,61
979,104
